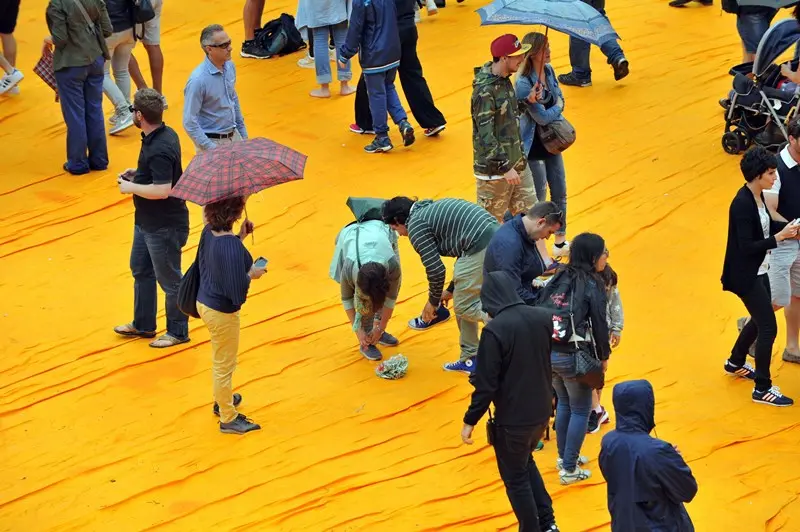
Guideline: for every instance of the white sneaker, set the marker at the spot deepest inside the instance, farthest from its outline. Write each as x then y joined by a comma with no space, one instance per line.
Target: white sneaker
306,62
563,251
123,122
576,475
582,460
332,54
9,81
432,8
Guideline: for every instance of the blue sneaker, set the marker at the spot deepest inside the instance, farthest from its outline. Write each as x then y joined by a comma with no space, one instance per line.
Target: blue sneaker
371,353
388,340
462,366
442,315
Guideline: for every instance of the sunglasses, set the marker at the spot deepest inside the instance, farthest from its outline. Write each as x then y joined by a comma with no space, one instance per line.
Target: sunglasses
223,45
132,109
554,217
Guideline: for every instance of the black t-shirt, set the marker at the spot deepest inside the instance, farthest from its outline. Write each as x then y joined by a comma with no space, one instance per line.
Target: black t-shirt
160,163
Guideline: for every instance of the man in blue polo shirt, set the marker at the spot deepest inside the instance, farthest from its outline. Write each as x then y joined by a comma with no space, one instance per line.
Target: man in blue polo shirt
513,247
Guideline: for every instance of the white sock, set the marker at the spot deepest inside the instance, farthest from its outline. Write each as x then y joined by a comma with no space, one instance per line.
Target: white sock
599,409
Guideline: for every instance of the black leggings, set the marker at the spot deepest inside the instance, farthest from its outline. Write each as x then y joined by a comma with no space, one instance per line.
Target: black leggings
761,329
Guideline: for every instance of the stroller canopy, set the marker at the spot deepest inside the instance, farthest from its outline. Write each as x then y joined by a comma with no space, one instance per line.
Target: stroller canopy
776,41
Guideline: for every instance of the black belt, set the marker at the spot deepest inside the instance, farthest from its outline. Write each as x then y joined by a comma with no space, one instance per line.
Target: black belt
220,135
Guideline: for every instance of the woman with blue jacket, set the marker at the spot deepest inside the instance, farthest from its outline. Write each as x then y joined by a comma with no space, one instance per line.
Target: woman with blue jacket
545,104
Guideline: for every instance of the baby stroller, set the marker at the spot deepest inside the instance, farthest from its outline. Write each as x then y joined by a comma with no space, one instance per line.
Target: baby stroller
758,109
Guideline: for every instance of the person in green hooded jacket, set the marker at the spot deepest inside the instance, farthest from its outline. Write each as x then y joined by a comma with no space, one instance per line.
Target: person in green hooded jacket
366,264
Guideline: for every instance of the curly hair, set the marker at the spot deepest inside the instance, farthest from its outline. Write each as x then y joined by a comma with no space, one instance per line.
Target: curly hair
222,214
373,281
609,277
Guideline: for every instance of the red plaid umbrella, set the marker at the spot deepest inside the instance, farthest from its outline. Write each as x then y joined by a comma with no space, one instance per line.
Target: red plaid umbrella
238,169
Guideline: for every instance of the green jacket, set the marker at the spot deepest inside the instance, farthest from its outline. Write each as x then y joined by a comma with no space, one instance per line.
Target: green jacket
76,45
496,139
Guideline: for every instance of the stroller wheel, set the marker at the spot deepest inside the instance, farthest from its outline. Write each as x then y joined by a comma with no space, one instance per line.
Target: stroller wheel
744,138
731,143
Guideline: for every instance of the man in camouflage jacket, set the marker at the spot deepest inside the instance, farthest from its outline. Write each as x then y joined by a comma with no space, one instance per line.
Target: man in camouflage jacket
504,180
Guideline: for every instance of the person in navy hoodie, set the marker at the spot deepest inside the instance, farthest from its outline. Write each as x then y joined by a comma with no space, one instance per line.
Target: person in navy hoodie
513,248
373,34
648,480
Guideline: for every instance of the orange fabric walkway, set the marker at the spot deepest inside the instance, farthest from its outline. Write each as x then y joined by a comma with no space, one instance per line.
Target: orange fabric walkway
100,433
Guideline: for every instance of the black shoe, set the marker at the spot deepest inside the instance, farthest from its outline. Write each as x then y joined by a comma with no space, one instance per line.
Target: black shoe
773,397
745,371
237,400
408,133
66,169
380,144
240,425
621,69
679,3
253,50
594,423
573,80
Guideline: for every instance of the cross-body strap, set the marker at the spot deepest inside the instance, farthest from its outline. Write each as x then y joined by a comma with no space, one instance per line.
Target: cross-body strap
89,21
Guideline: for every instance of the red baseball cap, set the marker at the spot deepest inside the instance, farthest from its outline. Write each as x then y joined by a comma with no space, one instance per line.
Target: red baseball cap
508,45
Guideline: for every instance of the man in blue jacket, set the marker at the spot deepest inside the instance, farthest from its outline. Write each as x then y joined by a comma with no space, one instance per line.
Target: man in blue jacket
513,247
648,480
373,34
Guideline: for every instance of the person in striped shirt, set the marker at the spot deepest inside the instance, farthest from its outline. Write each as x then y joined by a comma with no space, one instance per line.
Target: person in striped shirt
448,228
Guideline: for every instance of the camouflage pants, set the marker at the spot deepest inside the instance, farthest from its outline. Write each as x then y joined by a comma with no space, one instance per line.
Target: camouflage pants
498,196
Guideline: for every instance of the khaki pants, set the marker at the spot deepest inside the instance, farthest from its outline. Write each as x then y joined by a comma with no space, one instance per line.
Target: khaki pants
224,330
468,278
221,142
497,196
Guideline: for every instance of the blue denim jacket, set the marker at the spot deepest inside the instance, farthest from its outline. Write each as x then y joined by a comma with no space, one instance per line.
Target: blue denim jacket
537,114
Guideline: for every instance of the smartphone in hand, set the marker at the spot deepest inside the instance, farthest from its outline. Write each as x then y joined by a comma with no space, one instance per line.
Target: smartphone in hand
260,262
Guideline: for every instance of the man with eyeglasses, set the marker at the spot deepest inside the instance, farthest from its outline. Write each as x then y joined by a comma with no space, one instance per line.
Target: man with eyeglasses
513,248
161,224
211,111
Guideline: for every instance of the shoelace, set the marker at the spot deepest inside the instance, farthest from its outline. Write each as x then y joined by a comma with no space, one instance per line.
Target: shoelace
775,391
749,367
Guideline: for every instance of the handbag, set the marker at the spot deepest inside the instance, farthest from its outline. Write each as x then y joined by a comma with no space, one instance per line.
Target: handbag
556,136
143,11
44,69
588,367
190,284
491,429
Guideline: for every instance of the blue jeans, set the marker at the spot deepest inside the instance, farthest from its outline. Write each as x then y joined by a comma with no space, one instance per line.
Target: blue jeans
579,49
80,90
550,171
322,62
574,405
156,256
382,98
753,26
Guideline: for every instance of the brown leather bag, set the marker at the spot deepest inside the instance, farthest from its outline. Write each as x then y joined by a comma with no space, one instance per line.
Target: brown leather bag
556,136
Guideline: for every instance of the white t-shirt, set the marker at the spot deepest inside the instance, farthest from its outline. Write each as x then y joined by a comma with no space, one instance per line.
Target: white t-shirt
763,215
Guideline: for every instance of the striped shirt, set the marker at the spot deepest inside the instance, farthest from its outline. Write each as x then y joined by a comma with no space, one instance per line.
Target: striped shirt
447,228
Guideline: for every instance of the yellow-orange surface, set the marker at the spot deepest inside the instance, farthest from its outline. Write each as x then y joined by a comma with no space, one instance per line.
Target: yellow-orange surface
102,433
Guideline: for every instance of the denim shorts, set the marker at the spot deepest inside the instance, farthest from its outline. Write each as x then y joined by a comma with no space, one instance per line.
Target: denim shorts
753,26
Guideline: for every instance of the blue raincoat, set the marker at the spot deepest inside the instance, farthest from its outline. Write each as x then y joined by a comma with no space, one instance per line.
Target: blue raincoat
648,481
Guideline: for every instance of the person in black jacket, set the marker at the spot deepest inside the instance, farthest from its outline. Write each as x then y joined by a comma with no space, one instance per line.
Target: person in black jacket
513,372
412,80
753,230
576,289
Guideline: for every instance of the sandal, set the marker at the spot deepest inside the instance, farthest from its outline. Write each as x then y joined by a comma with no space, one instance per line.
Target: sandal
129,330
167,340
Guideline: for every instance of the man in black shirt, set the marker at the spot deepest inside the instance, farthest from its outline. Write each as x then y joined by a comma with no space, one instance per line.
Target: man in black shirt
161,225
514,372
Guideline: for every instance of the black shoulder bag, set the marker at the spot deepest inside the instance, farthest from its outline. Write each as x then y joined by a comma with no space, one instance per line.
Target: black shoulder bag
190,283
491,429
588,367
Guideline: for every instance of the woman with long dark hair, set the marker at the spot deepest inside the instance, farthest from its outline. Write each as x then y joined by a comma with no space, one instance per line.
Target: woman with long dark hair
226,268
366,265
577,289
537,86
754,230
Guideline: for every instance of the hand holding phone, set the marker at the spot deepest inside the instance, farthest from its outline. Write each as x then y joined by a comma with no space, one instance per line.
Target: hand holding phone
260,263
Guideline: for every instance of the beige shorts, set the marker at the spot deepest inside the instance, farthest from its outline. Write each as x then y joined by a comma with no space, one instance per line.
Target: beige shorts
150,31
497,196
